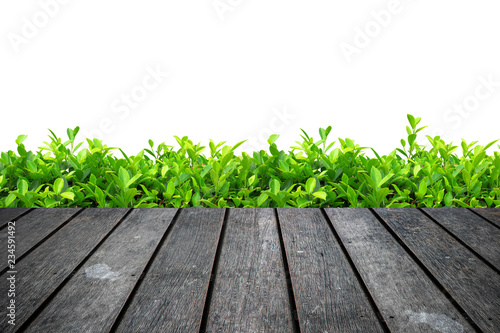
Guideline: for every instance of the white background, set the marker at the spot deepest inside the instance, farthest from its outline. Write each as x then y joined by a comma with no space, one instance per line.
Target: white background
234,64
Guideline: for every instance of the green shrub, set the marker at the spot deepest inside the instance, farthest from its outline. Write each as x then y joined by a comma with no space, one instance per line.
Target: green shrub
311,174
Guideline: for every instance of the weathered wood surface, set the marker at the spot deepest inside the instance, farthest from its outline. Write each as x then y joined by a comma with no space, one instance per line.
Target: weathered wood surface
329,297
492,214
250,290
107,278
10,214
34,227
472,284
478,234
40,273
253,270
406,297
172,295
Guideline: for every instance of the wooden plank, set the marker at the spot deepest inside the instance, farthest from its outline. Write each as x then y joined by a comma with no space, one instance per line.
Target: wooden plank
250,291
406,297
107,278
34,227
473,285
492,214
172,295
10,214
327,293
471,229
43,270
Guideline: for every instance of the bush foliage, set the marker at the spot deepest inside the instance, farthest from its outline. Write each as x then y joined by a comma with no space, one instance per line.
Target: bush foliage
314,173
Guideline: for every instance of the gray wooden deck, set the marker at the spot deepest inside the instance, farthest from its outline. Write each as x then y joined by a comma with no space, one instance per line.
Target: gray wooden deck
251,270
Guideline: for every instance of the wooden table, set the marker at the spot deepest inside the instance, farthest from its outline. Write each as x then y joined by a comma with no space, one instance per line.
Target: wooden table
251,270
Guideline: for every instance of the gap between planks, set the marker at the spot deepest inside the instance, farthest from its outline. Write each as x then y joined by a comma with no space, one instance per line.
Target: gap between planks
44,303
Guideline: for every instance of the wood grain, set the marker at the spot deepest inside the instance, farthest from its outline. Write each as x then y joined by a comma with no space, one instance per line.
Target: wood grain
328,295
9,214
471,229
250,291
34,227
172,295
43,270
107,278
492,214
406,297
473,285
421,277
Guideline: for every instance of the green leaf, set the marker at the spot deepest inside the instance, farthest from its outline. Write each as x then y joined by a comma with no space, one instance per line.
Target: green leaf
416,170
251,180
448,199
100,197
466,176
320,195
31,167
58,185
188,195
490,144
422,189
323,133
70,133
262,198
411,119
125,155
170,189
124,176
274,150
272,138
237,145
236,202
20,139
68,195
129,195
461,203
164,170
440,196
284,166
214,176
385,179
208,203
275,186
10,199
205,170
303,202
353,196
310,185
411,139
133,180
196,199
376,176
